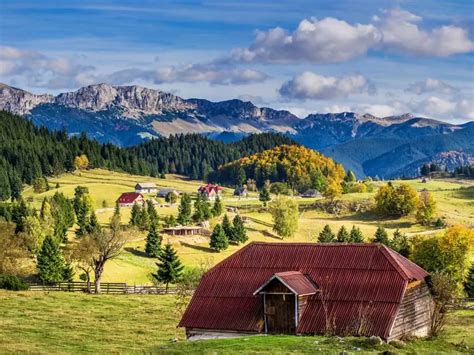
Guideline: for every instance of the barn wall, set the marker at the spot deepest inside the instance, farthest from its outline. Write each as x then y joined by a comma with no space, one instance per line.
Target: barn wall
414,315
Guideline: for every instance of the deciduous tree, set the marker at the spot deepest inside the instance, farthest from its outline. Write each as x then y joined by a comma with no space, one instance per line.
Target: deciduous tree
284,213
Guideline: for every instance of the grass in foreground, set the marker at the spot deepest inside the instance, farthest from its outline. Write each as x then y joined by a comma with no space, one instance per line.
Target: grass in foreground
70,323
58,322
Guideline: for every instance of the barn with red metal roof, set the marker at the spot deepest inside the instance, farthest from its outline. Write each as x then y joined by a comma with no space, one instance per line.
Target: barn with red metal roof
128,199
305,288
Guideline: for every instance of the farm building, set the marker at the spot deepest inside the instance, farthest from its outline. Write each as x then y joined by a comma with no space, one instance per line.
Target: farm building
210,191
186,230
146,188
164,192
128,199
303,288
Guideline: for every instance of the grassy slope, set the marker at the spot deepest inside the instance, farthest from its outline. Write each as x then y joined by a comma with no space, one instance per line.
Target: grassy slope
66,322
455,202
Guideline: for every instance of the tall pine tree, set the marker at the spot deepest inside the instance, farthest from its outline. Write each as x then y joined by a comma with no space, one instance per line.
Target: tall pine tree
219,239
356,235
326,235
50,262
239,231
153,242
169,267
184,210
342,235
381,236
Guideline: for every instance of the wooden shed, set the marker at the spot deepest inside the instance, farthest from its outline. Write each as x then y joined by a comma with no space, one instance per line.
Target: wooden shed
302,288
185,230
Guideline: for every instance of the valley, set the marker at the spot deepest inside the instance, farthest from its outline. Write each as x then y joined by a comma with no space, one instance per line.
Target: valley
455,201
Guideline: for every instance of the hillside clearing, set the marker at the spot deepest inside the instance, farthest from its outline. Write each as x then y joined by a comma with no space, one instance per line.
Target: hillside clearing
455,199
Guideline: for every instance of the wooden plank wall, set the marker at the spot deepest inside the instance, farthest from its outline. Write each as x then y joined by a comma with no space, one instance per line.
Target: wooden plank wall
414,315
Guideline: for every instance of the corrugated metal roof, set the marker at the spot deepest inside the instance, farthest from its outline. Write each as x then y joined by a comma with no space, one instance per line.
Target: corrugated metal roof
293,280
129,197
352,277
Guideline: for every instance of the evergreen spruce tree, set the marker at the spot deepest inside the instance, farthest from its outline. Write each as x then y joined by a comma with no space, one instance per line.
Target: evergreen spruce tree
219,239
50,262
117,211
239,231
169,267
135,215
153,242
264,195
184,210
326,235
381,236
400,243
356,235
342,235
144,219
94,225
229,230
152,214
218,207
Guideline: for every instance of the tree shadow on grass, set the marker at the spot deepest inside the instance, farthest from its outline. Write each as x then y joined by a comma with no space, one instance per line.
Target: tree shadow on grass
197,247
136,252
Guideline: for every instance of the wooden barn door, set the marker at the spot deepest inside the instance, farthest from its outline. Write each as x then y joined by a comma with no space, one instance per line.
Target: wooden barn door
280,313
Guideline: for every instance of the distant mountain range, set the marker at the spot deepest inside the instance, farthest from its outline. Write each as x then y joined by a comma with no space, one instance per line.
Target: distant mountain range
127,115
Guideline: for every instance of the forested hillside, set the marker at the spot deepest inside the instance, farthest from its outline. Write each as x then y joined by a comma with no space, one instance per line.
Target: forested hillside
196,156
28,152
300,167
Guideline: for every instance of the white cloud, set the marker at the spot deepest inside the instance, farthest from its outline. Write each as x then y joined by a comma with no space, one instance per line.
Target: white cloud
441,108
401,32
212,73
430,85
381,110
40,70
317,41
337,108
309,85
331,40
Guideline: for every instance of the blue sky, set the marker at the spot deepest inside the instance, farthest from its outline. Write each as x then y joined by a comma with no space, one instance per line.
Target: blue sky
381,57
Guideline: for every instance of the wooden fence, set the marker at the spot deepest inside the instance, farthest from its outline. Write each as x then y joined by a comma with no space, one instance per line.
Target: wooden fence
105,288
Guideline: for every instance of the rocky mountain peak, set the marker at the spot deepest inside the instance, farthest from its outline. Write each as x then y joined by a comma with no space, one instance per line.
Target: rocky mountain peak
133,100
18,101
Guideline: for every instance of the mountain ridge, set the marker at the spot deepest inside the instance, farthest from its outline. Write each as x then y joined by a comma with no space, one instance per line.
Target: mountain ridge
128,115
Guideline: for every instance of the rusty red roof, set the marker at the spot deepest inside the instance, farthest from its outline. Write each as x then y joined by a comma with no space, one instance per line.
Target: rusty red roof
294,280
351,276
129,197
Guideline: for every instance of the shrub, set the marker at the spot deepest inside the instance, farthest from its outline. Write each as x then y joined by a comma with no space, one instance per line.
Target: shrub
13,283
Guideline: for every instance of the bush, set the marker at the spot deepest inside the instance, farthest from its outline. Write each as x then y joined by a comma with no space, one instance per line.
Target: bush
13,283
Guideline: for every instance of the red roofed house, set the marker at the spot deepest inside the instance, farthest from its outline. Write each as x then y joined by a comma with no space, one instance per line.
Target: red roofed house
304,288
128,199
210,191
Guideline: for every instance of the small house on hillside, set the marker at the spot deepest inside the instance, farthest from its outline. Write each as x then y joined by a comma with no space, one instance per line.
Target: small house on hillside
128,199
311,193
210,191
304,288
241,191
164,192
146,188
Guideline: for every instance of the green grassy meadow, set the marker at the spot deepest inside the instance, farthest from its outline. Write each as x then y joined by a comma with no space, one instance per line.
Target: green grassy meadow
455,201
61,322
